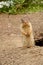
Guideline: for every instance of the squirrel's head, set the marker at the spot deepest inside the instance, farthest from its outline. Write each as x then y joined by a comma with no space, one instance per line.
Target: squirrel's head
25,22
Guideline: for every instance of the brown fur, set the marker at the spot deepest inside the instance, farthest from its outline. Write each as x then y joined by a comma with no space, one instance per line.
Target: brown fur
27,34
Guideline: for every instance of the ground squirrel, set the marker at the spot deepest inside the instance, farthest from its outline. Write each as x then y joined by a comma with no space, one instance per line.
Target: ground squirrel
27,33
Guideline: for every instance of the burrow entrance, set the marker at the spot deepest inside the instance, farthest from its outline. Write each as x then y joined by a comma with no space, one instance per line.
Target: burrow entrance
39,42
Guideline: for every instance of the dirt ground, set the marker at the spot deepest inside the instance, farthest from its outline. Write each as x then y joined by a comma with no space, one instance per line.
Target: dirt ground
10,36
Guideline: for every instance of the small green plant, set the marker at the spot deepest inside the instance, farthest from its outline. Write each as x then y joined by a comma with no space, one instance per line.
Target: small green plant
22,6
